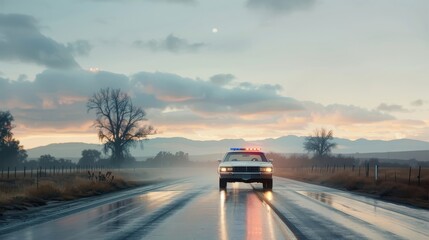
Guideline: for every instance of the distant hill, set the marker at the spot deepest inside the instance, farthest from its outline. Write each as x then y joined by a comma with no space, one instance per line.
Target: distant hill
287,144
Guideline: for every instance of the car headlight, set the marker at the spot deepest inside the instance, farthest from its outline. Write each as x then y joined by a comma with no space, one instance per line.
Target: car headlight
266,169
225,169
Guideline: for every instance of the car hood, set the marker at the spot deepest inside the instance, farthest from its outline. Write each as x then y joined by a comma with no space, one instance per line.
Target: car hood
245,164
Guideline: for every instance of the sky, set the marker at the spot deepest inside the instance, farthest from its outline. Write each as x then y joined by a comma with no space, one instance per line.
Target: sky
215,69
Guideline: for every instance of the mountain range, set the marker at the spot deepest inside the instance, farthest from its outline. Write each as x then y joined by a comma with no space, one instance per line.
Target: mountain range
286,144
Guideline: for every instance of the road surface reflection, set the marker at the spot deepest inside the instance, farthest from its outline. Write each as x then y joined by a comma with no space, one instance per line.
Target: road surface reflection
244,216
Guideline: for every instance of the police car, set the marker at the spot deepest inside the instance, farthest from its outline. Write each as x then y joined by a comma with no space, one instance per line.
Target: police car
246,165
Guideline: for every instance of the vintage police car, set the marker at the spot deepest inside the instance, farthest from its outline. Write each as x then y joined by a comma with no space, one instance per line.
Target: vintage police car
246,165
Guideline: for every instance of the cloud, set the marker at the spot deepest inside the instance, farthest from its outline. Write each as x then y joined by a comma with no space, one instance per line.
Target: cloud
338,114
208,98
269,87
383,107
387,130
222,79
170,44
56,99
79,48
417,103
280,6
21,39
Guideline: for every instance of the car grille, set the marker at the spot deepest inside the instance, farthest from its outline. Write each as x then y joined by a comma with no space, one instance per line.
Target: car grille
246,169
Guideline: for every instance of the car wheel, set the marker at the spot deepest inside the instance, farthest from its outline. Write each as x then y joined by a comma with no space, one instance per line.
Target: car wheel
270,184
222,184
267,184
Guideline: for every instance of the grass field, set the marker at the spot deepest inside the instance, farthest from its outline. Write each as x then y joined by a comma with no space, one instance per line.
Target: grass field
393,184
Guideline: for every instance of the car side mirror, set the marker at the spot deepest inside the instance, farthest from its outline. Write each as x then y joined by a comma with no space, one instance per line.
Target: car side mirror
270,160
219,160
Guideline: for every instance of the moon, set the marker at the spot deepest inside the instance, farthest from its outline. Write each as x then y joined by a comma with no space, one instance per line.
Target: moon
214,30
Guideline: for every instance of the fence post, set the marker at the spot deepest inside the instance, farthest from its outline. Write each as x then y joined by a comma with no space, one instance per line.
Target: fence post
419,176
366,170
409,177
376,172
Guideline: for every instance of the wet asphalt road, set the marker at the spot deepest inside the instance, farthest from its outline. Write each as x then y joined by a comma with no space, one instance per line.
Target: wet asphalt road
194,208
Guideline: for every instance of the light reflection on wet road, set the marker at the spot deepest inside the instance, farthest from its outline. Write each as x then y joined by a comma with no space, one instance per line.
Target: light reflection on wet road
236,213
194,208
325,213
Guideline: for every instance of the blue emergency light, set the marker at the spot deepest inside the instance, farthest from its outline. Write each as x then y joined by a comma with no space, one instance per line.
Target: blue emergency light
245,149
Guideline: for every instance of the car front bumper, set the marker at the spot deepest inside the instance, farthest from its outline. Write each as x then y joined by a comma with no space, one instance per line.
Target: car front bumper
245,177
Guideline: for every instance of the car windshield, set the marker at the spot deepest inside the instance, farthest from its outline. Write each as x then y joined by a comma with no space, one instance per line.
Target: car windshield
245,156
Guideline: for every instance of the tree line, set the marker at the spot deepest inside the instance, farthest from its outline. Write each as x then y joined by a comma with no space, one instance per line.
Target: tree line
167,159
92,157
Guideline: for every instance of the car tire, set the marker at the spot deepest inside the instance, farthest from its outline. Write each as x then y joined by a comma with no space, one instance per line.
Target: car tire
270,184
222,184
267,184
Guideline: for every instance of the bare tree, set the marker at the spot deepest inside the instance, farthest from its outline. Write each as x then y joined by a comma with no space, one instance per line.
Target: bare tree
320,143
118,121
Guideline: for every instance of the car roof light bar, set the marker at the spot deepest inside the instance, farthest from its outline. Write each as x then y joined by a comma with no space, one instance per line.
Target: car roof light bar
246,149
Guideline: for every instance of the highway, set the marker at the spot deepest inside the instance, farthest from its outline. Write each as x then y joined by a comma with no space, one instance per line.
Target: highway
194,208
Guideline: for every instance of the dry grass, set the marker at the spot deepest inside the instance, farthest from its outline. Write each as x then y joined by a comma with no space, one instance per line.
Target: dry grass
46,191
387,187
19,194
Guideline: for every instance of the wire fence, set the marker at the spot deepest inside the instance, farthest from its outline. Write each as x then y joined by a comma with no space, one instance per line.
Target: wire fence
13,179
409,175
